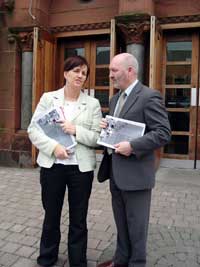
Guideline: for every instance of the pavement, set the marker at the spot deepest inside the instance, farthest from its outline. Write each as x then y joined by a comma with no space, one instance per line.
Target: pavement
174,231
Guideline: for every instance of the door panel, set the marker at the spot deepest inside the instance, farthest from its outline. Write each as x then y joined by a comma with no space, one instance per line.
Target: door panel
180,75
155,73
198,109
44,48
43,64
100,76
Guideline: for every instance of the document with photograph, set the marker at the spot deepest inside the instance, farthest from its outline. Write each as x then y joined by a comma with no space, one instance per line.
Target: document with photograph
119,130
49,124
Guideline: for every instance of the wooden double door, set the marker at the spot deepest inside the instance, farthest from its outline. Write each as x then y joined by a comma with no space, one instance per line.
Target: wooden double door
96,50
181,90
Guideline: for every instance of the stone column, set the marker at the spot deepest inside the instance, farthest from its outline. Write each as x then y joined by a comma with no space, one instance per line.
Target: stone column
138,51
26,79
26,97
133,28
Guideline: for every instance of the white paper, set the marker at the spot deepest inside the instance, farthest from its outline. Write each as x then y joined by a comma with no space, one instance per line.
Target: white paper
49,124
119,130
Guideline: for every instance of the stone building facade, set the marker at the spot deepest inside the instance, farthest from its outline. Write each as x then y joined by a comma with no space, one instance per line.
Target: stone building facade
37,35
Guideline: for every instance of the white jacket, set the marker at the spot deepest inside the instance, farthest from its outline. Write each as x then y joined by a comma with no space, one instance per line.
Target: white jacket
86,118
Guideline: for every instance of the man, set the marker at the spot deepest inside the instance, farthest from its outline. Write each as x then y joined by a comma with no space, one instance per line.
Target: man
132,164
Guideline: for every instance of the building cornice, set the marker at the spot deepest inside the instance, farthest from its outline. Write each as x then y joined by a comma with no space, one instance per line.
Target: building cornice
81,27
179,19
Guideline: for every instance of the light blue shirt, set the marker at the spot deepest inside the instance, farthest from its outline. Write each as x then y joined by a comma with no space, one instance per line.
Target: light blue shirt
130,88
127,92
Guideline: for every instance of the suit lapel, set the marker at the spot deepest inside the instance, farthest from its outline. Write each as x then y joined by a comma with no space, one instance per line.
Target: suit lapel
132,98
82,103
59,98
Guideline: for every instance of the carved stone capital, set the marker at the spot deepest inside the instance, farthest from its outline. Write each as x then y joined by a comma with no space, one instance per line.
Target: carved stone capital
7,5
133,27
26,41
134,32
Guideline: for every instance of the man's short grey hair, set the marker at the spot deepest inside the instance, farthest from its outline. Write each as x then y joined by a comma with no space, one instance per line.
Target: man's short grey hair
131,61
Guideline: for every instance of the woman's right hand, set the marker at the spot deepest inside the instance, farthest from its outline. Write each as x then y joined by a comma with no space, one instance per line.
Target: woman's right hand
60,152
103,123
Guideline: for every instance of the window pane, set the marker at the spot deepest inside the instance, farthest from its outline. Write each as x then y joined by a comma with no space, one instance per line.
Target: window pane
102,55
179,51
103,96
102,77
178,74
177,98
179,121
178,145
74,52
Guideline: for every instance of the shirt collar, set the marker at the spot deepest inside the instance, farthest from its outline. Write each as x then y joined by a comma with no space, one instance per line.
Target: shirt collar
130,88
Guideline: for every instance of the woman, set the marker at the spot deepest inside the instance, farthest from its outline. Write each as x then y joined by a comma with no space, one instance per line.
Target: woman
71,168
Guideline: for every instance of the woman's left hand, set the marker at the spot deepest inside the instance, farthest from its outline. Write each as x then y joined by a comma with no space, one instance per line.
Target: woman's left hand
68,127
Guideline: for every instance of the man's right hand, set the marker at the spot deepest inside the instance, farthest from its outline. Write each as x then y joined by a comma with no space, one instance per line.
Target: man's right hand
103,123
60,152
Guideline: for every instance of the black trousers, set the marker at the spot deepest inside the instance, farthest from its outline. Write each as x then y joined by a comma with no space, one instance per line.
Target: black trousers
54,181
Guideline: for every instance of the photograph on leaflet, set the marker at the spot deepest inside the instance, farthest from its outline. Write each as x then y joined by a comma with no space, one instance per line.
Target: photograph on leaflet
49,123
119,130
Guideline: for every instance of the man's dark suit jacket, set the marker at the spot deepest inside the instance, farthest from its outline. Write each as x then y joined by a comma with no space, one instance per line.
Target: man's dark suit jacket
137,172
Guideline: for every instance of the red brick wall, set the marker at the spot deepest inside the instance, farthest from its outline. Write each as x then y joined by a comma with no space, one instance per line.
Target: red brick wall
170,8
20,16
73,12
136,6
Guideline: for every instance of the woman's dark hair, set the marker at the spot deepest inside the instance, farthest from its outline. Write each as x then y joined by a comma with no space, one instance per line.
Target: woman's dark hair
75,61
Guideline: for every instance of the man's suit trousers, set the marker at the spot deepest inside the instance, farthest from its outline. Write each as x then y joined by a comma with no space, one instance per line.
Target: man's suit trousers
131,211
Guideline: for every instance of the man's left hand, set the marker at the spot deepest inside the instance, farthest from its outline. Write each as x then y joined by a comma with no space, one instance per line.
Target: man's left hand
123,148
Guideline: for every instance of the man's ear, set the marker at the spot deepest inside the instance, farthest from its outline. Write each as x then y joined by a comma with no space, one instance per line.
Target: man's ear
130,71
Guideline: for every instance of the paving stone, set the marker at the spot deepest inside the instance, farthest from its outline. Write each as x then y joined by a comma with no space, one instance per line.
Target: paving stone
29,240
17,228
24,263
61,260
63,248
10,247
6,225
25,251
31,231
8,259
174,230
101,227
93,254
93,243
4,234
35,255
103,245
